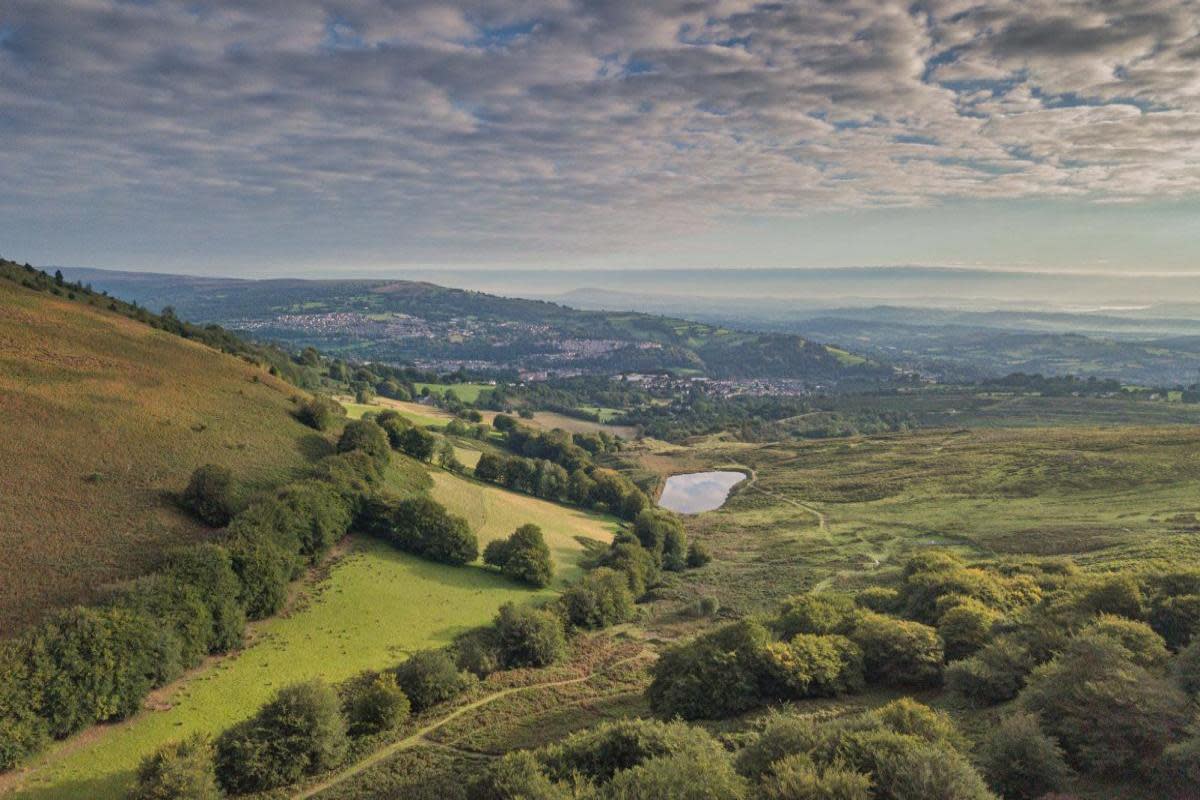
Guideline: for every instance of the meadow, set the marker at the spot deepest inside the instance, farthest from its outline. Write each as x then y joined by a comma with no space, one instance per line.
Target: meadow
466,392
102,420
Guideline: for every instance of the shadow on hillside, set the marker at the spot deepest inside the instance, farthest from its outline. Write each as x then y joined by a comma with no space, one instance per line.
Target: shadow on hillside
108,786
314,447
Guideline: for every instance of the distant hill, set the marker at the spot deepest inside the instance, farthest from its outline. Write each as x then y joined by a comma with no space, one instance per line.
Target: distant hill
102,419
409,321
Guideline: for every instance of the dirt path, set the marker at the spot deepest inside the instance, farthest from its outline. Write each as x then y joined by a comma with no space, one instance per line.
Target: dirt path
821,517
419,737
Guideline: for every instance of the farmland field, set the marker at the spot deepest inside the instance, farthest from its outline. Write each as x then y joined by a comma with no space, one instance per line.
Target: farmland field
467,392
101,419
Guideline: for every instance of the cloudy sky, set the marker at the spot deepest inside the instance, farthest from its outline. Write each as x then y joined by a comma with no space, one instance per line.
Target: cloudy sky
297,136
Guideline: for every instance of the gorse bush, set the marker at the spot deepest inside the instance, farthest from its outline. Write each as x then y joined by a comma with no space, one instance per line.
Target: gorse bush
599,599
1020,761
320,412
898,652
210,495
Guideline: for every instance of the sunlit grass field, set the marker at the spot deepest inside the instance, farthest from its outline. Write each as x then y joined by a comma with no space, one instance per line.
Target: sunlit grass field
102,419
467,392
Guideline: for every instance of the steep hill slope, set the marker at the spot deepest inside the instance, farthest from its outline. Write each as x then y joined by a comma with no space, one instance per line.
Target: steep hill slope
102,419
395,321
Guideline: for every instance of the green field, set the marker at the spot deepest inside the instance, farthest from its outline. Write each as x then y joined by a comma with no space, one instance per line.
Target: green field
425,416
104,418
494,513
376,606
467,392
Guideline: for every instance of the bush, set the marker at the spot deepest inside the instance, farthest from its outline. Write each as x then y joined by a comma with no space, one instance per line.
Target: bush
599,599
516,776
911,718
179,771
715,675
319,516
687,776
880,599
811,666
209,568
529,637
178,610
698,556
965,628
661,532
1109,714
1176,619
320,412
1143,646
1020,761
708,606
1186,668
993,675
22,732
351,474
210,496
429,677
905,767
798,778
523,556
373,702
299,732
365,435
478,651
635,562
783,735
898,652
599,753
1180,766
818,613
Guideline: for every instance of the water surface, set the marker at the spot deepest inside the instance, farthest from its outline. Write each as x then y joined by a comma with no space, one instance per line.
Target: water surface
698,491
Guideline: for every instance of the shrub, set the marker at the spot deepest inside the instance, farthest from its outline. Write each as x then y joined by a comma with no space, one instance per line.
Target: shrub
905,767
1020,761
1108,713
911,718
478,651
811,666
529,637
176,608
179,771
816,613
798,778
1143,646
783,735
394,424
715,675
993,675
635,562
965,628
209,568
373,702
320,412
429,677
599,599
523,556
1176,619
516,776
1186,668
22,732
210,496
365,435
898,652
319,516
299,732
708,606
1179,766
698,555
879,598
687,776
351,474
599,753
1117,594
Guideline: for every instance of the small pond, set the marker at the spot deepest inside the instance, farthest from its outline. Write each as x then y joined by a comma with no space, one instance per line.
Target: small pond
698,491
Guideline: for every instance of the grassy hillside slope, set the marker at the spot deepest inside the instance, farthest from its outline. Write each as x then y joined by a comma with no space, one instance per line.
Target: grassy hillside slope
102,419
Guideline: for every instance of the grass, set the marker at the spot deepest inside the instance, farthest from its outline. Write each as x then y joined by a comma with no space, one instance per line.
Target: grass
550,419
424,416
467,392
104,420
494,513
377,606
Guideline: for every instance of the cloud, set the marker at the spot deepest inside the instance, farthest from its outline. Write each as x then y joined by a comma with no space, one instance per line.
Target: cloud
515,126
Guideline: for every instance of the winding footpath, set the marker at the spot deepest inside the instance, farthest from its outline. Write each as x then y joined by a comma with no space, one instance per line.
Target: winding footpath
419,736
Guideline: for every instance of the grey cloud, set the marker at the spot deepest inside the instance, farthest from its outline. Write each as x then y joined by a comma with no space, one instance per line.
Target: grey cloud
516,125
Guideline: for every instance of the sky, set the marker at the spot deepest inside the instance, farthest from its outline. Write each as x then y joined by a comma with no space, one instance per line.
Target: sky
301,137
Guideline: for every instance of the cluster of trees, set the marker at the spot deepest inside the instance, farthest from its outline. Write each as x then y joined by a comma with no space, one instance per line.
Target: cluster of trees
422,526
903,750
524,556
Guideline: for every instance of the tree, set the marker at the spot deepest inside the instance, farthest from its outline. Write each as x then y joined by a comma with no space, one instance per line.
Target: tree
365,435
599,599
209,495
529,637
898,652
394,425
299,732
418,443
319,514
523,556
209,568
490,467
1108,713
1020,761
263,571
447,458
422,526
429,677
178,771
373,702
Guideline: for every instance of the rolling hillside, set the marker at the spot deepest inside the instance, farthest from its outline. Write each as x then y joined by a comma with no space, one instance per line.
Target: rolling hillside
102,419
401,321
